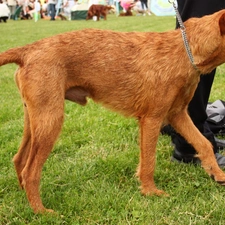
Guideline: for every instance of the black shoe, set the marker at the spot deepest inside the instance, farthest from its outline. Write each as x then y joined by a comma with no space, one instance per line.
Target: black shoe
220,143
184,158
190,158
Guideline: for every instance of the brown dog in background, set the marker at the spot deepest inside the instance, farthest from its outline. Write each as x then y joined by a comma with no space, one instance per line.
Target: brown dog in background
146,75
128,12
98,10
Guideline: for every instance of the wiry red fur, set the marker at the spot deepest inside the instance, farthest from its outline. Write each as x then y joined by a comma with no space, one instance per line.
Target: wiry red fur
142,75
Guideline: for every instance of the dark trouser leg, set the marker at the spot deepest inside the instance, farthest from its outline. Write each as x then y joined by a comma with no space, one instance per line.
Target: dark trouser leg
4,18
52,11
197,106
197,112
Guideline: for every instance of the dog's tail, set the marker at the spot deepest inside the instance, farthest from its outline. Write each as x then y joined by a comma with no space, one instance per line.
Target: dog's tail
11,56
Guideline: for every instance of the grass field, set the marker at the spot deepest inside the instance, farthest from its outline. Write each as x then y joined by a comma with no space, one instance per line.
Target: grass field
90,176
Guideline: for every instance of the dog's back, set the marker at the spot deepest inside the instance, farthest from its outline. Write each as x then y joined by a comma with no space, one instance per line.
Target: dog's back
103,57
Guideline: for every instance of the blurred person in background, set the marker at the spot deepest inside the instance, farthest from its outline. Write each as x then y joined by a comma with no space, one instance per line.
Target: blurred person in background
12,7
52,9
4,12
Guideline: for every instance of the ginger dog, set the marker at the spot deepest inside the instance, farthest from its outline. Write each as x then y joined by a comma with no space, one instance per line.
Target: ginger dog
143,75
98,10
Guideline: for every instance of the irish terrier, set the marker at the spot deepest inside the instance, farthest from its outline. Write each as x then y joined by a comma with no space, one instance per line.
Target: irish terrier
143,75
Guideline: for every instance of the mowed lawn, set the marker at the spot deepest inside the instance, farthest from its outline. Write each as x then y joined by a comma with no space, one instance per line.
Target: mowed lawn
89,177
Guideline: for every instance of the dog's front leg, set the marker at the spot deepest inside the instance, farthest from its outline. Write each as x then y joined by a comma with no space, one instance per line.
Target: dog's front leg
149,131
183,124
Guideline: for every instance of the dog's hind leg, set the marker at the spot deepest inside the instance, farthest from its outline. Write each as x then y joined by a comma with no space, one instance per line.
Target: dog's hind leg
182,124
20,158
149,132
45,123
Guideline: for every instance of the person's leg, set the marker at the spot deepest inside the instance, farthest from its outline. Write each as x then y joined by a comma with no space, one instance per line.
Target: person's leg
147,9
117,8
13,9
4,18
142,4
146,4
197,110
10,9
199,8
52,11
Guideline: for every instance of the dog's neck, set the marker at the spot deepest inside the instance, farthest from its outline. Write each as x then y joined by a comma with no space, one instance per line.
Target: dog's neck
184,36
188,49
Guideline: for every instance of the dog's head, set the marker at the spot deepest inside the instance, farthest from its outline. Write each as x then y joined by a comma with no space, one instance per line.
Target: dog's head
107,8
206,37
112,9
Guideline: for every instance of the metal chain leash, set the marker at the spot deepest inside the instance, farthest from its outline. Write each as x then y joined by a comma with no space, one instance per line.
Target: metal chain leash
184,35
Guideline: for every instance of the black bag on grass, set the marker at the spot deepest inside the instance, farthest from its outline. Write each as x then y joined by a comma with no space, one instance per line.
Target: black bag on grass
215,120
216,117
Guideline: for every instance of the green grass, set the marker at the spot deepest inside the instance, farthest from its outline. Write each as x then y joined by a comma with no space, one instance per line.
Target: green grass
90,176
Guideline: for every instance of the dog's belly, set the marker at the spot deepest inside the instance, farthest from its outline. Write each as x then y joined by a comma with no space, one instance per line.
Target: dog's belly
78,95
123,100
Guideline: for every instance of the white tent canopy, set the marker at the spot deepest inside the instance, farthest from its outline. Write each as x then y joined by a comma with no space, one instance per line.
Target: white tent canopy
162,8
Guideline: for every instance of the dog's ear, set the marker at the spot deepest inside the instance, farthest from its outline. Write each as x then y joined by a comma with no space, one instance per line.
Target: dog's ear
222,24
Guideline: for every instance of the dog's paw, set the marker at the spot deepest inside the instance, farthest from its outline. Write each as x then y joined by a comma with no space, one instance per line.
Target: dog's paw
219,181
44,211
155,191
